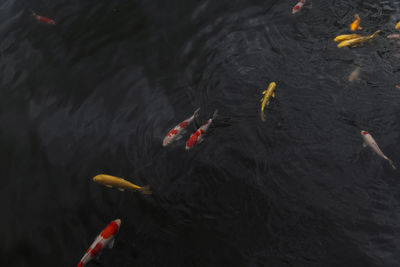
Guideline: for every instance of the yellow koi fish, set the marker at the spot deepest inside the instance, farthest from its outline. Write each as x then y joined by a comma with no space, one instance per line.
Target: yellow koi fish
357,41
397,26
346,37
356,23
270,92
120,184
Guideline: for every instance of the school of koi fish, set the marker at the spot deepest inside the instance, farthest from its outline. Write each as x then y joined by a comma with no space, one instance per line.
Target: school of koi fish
107,236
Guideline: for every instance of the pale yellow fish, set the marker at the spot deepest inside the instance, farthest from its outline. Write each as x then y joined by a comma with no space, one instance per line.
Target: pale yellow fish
120,184
270,92
397,26
357,41
345,37
354,74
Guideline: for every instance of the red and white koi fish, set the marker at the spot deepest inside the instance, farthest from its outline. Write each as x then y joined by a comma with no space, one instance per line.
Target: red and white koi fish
43,19
298,6
369,141
393,36
104,239
198,136
178,130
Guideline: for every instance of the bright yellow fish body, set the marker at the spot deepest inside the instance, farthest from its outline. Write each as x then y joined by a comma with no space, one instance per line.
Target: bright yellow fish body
357,41
397,26
120,184
270,92
346,37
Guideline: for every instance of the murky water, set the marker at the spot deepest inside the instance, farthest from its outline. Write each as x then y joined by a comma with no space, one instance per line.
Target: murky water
98,92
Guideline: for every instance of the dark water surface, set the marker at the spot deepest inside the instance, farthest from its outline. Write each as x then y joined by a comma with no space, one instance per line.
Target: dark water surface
98,92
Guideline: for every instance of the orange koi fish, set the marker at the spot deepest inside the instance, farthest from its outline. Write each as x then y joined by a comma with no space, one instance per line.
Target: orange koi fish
356,23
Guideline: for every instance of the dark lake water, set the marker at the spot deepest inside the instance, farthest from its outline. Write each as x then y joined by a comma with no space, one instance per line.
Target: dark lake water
98,91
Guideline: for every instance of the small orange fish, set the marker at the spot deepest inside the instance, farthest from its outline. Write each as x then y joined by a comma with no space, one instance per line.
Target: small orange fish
356,23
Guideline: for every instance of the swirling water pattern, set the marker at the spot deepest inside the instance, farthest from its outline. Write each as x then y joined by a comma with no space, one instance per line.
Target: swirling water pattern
97,93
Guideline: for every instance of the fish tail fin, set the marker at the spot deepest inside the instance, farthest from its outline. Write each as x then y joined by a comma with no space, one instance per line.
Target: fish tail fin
196,113
33,13
375,34
262,116
146,190
391,164
215,114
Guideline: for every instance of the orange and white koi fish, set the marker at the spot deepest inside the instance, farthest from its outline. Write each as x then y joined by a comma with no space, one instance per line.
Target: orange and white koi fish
104,239
198,136
177,132
43,19
369,141
298,6
356,23
393,36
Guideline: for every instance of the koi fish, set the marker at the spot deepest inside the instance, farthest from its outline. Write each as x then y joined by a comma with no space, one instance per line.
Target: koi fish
198,136
104,239
43,19
356,23
345,37
354,74
120,184
369,141
357,41
177,132
397,26
393,36
298,6
270,92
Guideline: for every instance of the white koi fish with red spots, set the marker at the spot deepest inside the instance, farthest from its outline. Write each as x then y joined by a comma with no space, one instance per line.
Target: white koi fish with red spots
369,141
43,19
393,36
104,239
178,130
298,6
198,136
